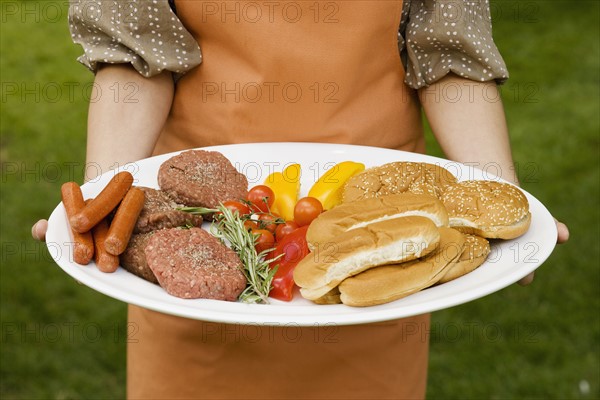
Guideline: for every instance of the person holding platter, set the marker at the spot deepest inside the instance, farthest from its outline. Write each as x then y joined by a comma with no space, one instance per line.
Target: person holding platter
202,73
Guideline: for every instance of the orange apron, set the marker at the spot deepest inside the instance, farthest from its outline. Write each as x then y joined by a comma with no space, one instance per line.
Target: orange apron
315,71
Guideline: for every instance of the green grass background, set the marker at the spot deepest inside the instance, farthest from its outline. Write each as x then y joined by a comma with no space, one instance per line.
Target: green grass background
61,340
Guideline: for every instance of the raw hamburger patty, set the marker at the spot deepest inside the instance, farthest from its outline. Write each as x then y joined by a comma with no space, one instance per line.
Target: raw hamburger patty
191,264
201,178
160,212
133,259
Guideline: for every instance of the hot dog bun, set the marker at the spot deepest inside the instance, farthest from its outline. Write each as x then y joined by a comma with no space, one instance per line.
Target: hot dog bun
489,209
398,177
474,254
354,251
331,297
362,212
387,283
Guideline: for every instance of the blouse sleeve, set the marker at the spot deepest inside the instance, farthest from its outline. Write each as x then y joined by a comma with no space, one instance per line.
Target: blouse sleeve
439,37
145,33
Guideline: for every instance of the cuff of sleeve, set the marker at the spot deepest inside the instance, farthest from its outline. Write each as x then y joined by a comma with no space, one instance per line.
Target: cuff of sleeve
151,44
449,37
423,70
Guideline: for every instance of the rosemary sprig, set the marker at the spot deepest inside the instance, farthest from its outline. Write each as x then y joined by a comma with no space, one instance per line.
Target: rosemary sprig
229,227
198,210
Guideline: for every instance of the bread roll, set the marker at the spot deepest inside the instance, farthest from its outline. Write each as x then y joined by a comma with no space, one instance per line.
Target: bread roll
362,212
474,254
331,297
489,209
391,282
398,177
352,252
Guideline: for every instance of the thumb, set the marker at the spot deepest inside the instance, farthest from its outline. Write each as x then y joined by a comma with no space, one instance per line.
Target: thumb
563,232
38,230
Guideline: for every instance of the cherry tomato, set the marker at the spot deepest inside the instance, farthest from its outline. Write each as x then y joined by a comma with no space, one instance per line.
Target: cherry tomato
307,209
262,197
265,239
268,221
294,248
241,208
250,225
285,229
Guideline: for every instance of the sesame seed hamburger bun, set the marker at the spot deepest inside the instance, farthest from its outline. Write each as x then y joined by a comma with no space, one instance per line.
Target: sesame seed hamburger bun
360,213
474,254
398,177
392,282
489,209
385,242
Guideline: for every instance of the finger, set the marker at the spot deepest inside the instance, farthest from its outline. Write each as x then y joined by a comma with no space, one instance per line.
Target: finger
563,232
527,280
38,230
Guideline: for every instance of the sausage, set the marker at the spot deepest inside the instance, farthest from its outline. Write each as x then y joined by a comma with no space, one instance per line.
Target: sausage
124,221
103,204
105,261
83,244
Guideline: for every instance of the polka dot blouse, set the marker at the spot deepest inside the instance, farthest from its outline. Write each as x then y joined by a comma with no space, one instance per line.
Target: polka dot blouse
434,38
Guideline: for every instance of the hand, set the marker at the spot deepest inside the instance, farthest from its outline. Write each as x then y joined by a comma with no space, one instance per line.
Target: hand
38,230
562,237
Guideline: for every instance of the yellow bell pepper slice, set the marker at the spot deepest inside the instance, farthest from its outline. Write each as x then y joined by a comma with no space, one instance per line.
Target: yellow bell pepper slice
286,186
328,189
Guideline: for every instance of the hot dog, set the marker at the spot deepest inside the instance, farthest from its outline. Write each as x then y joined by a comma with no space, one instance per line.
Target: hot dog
83,244
105,261
122,225
103,204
